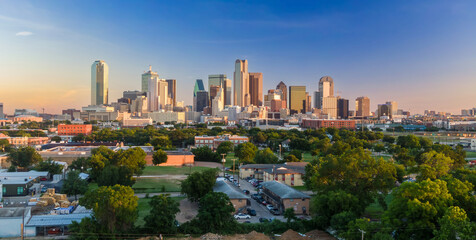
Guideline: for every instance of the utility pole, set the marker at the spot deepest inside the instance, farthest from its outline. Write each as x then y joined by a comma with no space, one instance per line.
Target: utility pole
234,159
363,232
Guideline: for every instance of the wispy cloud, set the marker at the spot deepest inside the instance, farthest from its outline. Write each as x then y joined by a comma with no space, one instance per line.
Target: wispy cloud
23,34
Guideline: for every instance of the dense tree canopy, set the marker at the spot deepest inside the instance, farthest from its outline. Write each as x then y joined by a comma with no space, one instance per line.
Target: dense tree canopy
214,213
49,166
114,207
246,152
205,154
160,156
24,157
74,185
161,218
265,156
198,184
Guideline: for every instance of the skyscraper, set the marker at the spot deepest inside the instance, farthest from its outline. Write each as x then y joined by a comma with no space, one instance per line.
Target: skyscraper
217,80
256,89
158,94
198,87
343,108
284,90
308,102
297,99
202,100
362,107
241,95
1,111
227,92
99,83
145,79
214,89
172,90
326,89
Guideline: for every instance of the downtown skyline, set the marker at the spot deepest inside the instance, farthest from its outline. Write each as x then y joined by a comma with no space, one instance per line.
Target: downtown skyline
45,61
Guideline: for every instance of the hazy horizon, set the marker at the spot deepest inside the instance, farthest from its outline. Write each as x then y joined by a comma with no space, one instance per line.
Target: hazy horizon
420,54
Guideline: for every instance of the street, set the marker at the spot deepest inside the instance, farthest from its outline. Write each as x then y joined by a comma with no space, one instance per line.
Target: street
261,211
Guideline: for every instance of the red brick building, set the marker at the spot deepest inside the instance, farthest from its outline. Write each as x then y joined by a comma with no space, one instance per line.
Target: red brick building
325,123
75,129
214,141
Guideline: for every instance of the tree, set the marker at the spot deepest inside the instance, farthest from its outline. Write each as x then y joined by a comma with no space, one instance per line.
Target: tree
292,158
246,152
112,175
462,193
74,185
296,153
408,141
379,148
225,147
114,207
329,203
388,139
214,213
161,142
80,164
355,172
49,166
205,154
265,156
24,157
198,184
160,156
161,218
56,139
79,138
455,225
4,145
434,165
416,208
88,229
289,215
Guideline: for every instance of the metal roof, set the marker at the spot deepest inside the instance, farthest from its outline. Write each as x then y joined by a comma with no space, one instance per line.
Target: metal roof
231,191
283,191
55,220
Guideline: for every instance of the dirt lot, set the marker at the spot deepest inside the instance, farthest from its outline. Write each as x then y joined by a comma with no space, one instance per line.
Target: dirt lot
188,210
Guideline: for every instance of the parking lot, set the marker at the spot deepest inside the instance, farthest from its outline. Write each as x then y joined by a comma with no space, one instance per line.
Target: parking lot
261,210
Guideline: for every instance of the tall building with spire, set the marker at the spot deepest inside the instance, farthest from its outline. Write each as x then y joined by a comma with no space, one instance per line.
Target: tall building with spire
241,96
99,83
145,79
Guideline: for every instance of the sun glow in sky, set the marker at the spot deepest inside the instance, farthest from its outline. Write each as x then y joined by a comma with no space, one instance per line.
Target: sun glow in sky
419,53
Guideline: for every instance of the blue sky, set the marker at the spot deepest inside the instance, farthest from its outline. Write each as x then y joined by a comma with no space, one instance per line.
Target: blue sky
421,54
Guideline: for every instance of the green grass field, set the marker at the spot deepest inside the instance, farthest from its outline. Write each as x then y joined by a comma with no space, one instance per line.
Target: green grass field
92,186
155,185
300,188
162,170
470,154
144,209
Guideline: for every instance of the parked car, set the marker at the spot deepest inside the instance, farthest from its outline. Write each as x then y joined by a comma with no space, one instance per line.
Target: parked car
44,189
269,206
242,216
264,203
255,196
274,211
246,192
251,211
263,219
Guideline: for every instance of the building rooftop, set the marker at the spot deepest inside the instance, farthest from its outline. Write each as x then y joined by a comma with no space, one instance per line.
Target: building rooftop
283,191
178,153
231,191
13,212
56,220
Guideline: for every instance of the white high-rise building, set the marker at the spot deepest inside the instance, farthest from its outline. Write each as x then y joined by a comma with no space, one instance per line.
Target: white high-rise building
241,96
157,94
99,83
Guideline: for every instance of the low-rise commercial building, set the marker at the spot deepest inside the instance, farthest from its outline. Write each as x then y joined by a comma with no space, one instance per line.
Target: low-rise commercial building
237,198
11,220
24,141
283,197
21,183
214,141
74,129
174,158
27,118
324,123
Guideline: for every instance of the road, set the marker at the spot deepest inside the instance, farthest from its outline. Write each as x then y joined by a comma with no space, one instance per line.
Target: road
261,211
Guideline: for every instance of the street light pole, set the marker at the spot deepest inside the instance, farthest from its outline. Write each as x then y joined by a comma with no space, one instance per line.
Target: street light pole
279,151
223,161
